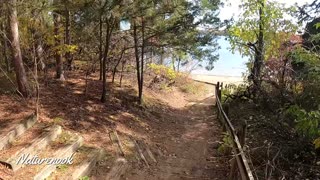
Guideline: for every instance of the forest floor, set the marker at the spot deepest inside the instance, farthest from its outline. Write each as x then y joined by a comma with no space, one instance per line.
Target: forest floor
180,130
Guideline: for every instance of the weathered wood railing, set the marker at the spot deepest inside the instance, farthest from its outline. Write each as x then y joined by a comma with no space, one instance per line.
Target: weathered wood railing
239,163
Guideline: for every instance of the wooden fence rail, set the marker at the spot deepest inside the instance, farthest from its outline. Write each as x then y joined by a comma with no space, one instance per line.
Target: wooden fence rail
240,168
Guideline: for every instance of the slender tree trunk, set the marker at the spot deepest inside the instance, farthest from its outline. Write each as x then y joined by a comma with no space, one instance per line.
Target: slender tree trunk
179,62
5,47
39,53
142,61
139,63
58,43
110,26
172,64
136,52
104,68
161,56
21,76
100,46
68,55
114,71
36,61
121,74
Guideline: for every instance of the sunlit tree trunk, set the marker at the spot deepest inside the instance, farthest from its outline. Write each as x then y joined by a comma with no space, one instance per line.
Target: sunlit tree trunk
21,77
68,55
100,45
178,66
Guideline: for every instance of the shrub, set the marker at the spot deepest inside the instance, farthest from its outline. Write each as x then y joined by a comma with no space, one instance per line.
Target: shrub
163,77
307,123
232,90
163,71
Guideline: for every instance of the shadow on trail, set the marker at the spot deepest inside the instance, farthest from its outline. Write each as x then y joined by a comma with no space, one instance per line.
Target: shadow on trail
184,140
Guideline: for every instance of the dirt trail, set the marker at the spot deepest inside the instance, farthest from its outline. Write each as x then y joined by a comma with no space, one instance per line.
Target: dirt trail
185,145
179,130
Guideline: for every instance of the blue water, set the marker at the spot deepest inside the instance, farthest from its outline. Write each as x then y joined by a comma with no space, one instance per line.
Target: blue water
228,64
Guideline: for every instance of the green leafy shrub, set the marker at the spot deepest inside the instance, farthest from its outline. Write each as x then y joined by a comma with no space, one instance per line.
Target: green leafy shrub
307,123
306,66
226,146
232,89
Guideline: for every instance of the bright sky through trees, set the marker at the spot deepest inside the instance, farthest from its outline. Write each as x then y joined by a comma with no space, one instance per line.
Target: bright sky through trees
233,64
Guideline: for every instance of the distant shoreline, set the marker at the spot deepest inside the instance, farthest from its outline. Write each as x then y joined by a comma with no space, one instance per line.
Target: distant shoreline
215,75
215,78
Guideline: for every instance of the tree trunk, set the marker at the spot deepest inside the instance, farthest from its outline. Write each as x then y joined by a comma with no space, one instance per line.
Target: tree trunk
39,53
58,43
68,55
116,66
21,77
5,46
136,52
110,26
179,62
36,61
100,46
121,74
104,68
259,54
172,64
161,56
142,61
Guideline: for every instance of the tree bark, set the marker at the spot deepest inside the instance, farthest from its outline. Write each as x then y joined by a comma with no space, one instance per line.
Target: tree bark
122,69
110,26
5,46
139,60
114,71
259,51
172,64
39,53
161,56
58,43
68,55
21,76
179,62
100,46
136,52
142,60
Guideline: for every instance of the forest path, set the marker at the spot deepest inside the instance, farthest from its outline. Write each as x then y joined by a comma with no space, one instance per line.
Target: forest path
186,144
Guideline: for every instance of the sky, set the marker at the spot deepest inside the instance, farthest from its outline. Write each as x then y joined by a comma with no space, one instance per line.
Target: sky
232,7
233,64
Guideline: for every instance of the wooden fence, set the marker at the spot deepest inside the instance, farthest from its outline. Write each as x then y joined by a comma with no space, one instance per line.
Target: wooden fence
240,168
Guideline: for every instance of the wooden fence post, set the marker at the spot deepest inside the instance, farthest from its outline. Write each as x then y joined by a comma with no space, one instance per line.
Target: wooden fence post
217,92
239,166
226,110
242,134
233,169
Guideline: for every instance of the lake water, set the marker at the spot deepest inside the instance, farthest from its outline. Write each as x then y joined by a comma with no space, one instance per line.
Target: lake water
229,64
